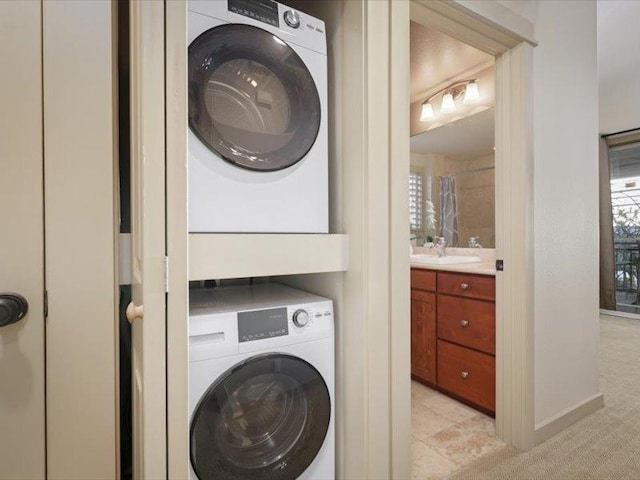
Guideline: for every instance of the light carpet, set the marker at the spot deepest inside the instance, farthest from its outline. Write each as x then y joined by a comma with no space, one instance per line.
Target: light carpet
604,445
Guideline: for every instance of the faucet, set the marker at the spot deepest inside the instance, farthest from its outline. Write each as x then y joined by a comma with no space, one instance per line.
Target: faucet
473,242
440,244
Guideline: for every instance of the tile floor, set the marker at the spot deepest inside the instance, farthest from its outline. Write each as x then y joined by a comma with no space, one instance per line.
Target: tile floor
446,435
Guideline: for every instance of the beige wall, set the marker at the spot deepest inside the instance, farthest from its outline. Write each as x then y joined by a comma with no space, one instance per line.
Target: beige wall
565,208
618,65
565,205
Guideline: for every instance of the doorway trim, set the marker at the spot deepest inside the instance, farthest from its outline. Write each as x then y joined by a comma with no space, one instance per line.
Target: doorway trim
618,139
514,209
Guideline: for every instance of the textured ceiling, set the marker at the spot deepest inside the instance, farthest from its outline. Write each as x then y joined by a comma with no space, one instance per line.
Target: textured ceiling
436,57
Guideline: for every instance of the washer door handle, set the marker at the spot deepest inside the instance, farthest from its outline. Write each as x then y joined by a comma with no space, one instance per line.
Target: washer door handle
13,308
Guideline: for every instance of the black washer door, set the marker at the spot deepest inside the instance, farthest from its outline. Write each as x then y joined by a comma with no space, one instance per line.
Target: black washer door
266,418
252,100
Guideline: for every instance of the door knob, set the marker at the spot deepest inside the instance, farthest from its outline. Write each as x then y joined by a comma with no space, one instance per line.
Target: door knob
134,312
13,307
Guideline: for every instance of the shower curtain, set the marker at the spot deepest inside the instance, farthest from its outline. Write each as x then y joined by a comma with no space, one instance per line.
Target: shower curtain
449,211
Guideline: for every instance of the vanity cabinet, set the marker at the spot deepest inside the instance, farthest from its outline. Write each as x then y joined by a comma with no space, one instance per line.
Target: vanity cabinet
423,336
423,326
453,334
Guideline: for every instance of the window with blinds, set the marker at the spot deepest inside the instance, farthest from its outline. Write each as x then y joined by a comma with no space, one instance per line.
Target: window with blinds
415,202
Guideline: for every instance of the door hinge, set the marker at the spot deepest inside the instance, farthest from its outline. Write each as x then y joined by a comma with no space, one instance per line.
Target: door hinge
166,274
499,265
45,305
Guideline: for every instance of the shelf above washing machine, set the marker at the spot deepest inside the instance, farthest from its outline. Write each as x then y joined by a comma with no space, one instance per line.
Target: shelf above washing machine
220,256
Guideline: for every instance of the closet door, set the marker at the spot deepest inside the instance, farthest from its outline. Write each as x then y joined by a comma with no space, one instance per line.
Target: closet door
147,312
22,402
81,252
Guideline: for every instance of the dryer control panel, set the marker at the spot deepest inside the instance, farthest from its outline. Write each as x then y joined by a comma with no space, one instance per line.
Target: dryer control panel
262,10
288,24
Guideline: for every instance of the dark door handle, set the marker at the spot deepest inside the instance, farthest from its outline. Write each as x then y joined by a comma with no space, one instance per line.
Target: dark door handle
13,307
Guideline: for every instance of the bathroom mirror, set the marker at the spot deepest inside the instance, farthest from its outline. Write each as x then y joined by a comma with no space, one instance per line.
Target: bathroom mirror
452,120
452,185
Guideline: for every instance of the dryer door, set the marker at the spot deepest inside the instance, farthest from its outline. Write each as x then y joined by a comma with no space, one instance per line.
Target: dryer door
266,418
252,100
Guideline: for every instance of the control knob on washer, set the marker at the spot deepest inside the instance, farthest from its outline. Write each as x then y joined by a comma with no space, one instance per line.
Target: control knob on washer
300,318
292,18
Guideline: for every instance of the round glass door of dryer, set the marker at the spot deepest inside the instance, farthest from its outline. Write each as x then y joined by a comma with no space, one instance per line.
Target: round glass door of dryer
266,418
252,100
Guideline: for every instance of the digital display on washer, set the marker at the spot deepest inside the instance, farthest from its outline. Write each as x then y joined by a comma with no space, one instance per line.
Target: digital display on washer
261,324
265,11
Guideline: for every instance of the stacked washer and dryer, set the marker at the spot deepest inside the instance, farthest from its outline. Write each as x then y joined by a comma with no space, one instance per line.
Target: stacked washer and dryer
261,358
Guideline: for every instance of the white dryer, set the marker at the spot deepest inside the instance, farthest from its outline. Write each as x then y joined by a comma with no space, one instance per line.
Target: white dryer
261,384
258,149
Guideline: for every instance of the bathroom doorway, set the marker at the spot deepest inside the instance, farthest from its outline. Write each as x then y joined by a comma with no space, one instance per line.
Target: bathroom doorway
452,201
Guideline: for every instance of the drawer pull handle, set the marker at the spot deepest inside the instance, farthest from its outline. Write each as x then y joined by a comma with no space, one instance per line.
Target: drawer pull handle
465,286
465,375
464,323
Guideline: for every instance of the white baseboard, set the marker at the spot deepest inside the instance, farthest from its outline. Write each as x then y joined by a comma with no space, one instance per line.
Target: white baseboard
559,422
616,313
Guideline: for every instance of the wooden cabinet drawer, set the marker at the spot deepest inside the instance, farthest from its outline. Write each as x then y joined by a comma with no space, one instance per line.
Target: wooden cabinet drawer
473,286
467,374
423,279
471,323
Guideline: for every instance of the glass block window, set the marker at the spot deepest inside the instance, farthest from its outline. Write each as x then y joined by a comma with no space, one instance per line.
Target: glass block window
415,202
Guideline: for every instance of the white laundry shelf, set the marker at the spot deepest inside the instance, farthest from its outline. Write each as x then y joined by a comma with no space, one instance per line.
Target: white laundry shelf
219,256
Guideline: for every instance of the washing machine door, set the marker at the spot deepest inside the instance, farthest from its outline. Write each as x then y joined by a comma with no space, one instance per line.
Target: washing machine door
252,99
265,418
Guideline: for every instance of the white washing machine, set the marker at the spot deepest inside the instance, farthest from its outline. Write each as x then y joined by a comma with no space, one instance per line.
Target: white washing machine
261,384
258,149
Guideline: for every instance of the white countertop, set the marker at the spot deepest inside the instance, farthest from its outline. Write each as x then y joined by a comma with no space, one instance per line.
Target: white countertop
486,267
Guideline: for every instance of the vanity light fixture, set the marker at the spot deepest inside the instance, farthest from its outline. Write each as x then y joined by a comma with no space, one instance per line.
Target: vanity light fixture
427,112
471,94
451,93
448,105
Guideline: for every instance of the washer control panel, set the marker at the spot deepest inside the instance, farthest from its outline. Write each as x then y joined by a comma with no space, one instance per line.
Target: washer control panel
303,319
261,324
241,319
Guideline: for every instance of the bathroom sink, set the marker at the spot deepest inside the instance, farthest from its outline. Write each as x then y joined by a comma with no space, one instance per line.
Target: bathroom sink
448,260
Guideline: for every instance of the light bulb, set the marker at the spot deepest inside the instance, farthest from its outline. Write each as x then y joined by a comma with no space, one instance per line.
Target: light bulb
448,106
427,112
471,94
